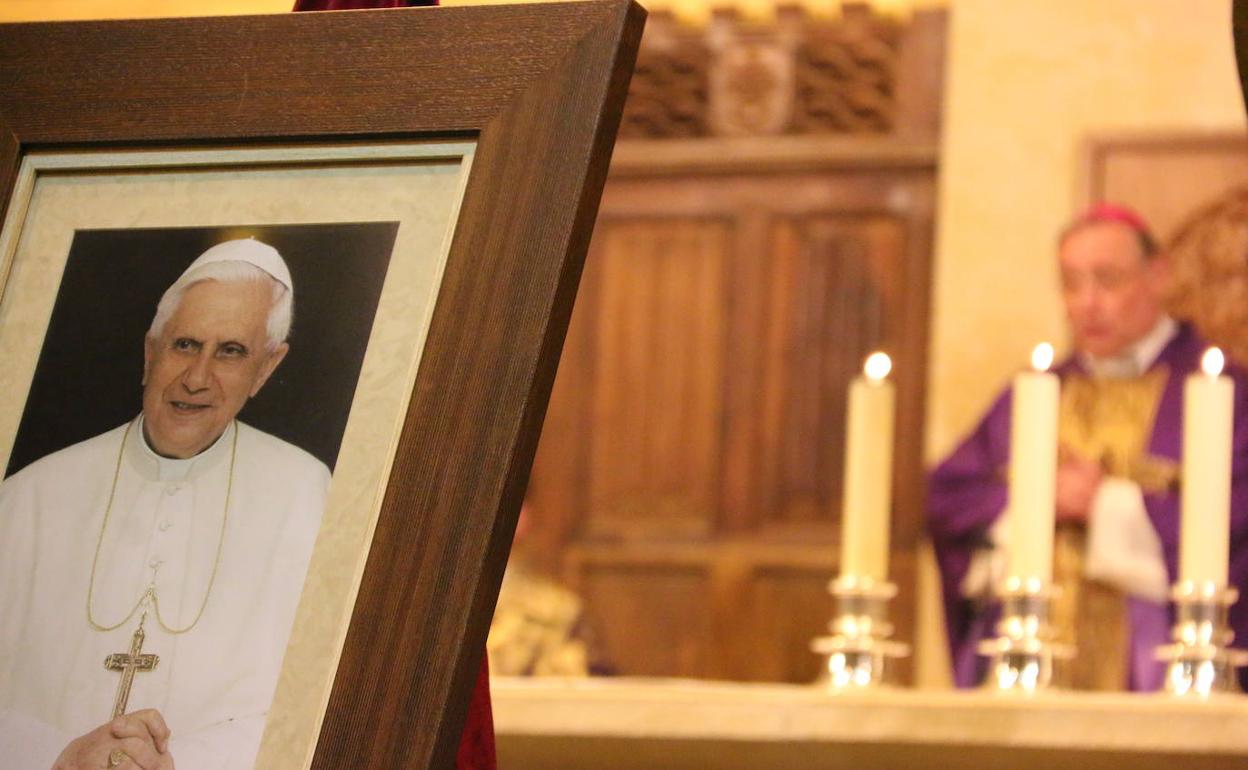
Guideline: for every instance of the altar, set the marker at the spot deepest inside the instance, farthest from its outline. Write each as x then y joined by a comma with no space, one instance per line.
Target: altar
588,724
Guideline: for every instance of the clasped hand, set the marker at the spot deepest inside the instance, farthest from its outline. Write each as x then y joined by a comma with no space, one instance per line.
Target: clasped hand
1077,482
143,736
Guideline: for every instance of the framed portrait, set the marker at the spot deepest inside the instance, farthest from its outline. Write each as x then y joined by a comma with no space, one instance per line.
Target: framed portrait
308,516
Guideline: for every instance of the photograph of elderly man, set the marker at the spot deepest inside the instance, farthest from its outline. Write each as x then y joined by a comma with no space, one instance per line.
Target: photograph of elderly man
150,572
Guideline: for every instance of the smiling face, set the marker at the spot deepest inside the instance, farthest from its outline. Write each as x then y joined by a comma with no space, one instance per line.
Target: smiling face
209,359
1113,293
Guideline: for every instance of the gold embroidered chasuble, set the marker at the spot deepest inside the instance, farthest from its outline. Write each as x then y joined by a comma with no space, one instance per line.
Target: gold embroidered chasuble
1108,421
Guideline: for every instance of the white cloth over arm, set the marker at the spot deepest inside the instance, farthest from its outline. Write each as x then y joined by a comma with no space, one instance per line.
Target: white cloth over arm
1123,547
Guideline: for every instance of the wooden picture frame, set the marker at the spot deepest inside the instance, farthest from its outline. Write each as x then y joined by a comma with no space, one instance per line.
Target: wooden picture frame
540,89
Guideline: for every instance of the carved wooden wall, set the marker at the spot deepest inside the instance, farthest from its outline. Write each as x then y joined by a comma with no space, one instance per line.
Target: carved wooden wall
767,223
860,74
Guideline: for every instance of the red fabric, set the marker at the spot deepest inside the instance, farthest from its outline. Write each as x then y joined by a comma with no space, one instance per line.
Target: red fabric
1113,212
346,5
476,744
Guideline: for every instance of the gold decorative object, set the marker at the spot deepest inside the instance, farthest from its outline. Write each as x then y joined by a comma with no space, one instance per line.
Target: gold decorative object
1209,272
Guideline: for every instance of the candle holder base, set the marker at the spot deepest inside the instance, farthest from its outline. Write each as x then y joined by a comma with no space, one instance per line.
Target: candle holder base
1024,658
858,650
1023,666
1200,661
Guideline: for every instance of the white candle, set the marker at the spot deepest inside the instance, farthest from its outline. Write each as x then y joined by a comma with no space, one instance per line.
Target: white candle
868,483
1204,534
1033,468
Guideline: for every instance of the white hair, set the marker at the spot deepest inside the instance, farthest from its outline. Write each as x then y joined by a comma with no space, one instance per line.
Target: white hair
281,310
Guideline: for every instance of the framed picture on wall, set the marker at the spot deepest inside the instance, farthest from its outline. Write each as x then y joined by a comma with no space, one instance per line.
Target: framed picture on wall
279,334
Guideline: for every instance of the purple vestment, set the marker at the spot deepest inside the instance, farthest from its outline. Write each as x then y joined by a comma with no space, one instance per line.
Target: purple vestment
967,492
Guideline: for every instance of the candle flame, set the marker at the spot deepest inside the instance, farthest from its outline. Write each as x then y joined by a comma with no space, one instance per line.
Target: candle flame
1212,362
1042,357
878,366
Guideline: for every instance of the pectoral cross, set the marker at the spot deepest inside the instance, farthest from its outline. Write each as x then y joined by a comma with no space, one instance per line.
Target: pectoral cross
128,664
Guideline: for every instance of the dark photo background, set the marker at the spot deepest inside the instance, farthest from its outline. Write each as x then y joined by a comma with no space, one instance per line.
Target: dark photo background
87,380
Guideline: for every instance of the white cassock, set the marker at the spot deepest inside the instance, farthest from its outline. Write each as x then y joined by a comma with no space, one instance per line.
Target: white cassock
214,682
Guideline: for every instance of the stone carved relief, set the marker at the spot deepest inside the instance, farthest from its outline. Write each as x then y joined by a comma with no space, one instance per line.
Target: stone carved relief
797,75
1209,270
752,90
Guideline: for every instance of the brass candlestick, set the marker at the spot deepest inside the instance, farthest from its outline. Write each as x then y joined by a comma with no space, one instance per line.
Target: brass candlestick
1024,652
1200,660
858,649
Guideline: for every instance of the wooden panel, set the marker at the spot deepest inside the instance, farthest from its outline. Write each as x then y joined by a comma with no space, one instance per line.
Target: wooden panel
557,494
658,367
732,609
787,607
835,283
623,598
697,421
778,601
1167,176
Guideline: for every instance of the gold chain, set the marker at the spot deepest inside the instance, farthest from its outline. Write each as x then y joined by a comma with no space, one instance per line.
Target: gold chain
151,589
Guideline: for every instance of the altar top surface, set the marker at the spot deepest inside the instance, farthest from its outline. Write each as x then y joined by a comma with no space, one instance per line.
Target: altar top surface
653,723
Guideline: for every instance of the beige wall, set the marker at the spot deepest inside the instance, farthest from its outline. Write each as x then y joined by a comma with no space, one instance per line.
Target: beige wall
1028,80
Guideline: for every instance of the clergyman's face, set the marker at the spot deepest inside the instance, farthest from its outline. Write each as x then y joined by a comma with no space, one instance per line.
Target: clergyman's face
1113,294
210,358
